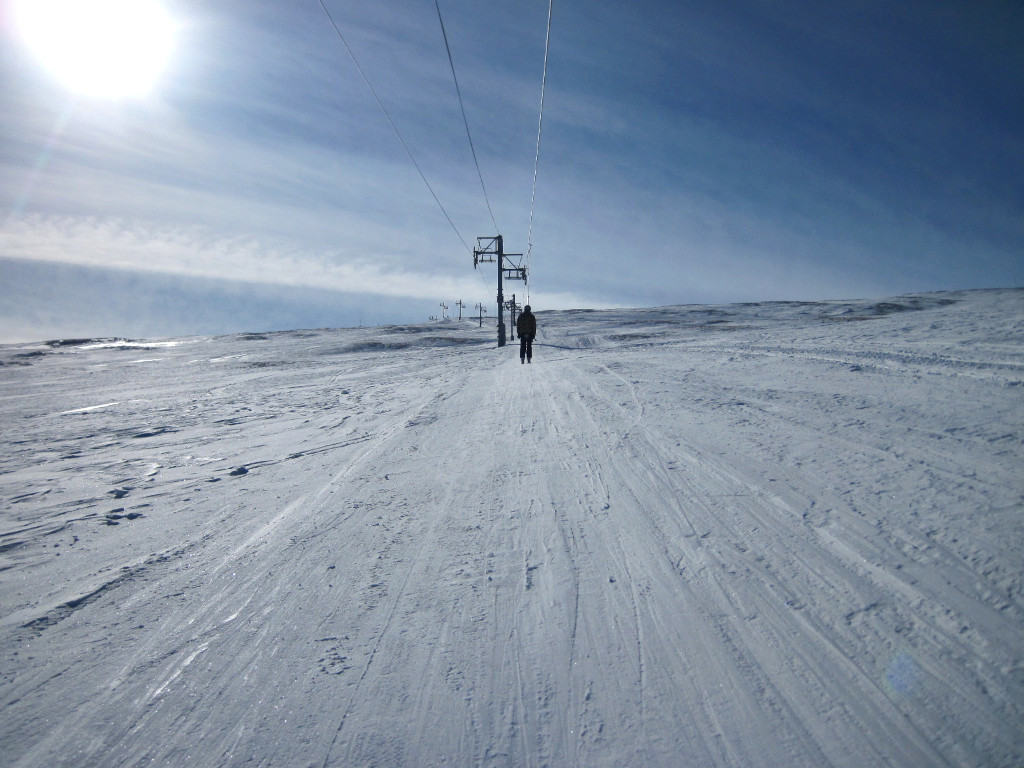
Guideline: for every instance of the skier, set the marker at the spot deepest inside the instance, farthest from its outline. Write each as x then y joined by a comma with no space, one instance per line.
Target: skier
526,327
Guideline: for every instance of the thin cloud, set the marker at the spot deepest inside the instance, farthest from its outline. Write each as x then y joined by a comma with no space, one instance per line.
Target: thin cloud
197,253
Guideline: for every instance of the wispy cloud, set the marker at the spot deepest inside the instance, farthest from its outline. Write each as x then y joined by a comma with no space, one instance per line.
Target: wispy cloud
199,253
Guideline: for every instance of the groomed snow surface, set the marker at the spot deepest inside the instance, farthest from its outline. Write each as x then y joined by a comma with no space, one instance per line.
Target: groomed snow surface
778,534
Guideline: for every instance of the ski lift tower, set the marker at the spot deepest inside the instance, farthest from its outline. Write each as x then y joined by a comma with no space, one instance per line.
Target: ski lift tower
488,251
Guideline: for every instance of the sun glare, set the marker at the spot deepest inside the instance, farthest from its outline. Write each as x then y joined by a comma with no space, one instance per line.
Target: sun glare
101,48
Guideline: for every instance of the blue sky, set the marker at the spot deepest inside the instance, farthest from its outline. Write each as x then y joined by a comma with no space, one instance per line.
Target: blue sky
691,152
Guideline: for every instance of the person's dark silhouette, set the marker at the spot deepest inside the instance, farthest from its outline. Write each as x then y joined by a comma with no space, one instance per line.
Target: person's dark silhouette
526,327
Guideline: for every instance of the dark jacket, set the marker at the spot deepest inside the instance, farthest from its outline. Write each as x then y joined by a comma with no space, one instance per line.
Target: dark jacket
526,325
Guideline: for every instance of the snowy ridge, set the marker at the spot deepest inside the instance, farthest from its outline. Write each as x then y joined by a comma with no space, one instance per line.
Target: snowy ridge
778,534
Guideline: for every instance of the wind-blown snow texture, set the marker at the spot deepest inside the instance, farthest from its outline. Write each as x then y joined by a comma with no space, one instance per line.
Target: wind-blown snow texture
781,534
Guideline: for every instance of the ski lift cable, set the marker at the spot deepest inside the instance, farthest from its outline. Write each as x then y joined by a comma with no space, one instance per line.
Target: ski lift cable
465,120
536,161
392,124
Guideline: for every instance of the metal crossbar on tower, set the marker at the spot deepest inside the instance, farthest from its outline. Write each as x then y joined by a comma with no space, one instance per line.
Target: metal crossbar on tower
488,251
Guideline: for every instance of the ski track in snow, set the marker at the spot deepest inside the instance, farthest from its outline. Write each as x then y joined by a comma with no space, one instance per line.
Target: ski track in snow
779,534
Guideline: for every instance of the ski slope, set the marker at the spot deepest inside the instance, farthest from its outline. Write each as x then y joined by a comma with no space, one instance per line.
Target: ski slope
779,534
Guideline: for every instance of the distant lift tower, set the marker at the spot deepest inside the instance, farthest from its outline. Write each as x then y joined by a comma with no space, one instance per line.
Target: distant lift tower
489,250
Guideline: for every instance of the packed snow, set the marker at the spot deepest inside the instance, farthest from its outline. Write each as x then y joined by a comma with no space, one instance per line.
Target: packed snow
776,534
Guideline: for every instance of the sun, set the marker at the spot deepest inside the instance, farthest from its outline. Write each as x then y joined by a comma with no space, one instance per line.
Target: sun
100,48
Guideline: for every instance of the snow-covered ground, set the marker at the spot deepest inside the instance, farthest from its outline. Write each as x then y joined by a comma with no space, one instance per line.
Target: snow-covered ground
779,534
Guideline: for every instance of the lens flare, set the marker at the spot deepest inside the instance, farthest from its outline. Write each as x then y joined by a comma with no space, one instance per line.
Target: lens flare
903,674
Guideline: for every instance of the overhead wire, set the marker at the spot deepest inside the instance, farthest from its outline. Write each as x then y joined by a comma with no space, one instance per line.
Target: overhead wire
536,161
465,120
392,124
